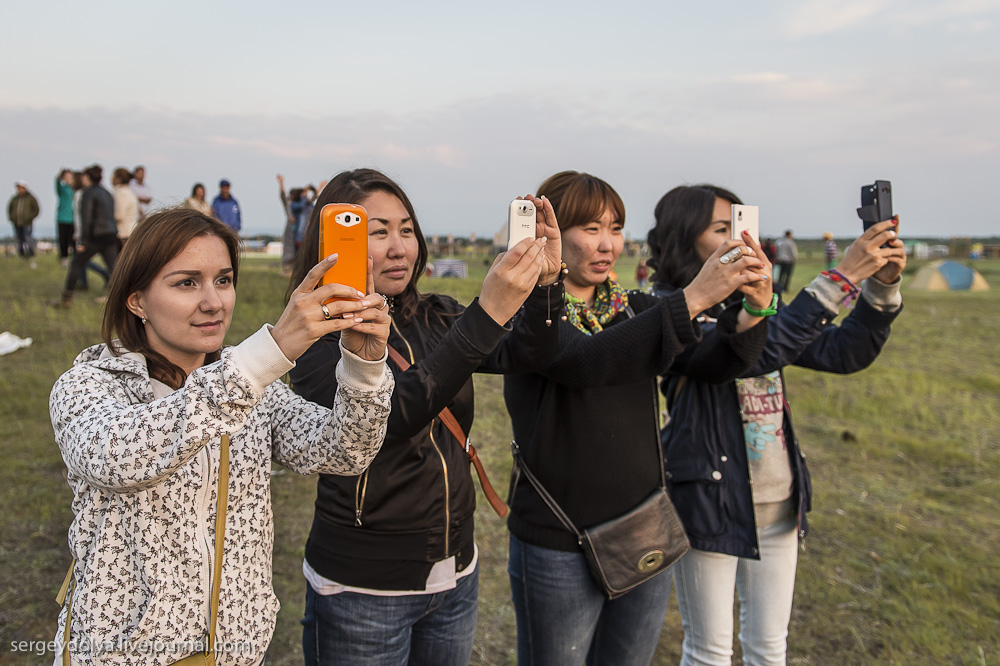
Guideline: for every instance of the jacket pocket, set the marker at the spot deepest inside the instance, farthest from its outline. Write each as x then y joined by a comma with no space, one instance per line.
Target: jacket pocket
699,498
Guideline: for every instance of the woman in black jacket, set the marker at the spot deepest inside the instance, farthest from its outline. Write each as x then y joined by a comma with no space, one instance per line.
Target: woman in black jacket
391,559
586,425
98,232
738,478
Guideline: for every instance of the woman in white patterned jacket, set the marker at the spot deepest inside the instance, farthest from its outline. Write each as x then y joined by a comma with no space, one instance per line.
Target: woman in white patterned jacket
141,420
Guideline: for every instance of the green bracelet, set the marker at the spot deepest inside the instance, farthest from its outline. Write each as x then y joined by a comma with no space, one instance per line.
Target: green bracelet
772,309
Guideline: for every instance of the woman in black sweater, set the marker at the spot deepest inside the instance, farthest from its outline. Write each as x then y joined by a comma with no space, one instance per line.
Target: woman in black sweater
391,559
587,425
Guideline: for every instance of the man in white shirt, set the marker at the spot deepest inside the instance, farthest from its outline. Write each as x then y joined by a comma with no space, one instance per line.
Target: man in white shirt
142,191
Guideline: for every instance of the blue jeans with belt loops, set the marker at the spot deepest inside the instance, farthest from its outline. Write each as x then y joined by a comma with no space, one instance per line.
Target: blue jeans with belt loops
411,630
563,618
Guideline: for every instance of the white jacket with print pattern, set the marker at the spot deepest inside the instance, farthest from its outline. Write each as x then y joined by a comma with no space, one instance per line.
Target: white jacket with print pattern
144,473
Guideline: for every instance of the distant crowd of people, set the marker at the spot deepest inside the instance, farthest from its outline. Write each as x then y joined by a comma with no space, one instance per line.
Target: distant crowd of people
91,220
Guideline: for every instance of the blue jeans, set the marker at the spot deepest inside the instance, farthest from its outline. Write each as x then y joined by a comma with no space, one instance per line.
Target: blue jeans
563,617
412,630
25,243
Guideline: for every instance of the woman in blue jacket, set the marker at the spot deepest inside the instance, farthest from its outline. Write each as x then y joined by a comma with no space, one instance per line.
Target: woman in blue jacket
737,475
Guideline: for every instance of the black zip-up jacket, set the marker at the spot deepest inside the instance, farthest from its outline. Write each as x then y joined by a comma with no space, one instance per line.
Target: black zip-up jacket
414,505
587,423
97,215
704,446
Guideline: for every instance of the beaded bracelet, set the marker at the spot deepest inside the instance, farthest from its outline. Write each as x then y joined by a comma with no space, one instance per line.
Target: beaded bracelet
849,288
563,271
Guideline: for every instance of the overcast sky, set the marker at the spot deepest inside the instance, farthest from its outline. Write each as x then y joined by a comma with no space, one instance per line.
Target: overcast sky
793,105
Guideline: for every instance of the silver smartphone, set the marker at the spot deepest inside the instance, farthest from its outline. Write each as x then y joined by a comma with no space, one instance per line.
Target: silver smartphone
520,221
745,218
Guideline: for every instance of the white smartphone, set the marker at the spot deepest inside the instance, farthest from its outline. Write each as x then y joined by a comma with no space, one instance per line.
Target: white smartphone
520,221
745,218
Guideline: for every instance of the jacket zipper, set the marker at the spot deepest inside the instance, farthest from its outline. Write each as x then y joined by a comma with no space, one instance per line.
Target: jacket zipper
205,513
447,491
359,497
444,463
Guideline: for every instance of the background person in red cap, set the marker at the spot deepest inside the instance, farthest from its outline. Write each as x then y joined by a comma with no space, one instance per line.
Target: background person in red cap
22,209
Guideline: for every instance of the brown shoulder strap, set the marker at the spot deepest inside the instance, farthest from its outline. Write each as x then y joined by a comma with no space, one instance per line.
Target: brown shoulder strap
450,422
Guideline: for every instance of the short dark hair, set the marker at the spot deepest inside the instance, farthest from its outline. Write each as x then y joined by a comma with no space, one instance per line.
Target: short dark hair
94,173
579,198
682,215
195,188
161,237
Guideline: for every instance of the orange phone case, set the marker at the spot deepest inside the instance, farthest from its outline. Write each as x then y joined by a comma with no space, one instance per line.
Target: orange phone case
344,230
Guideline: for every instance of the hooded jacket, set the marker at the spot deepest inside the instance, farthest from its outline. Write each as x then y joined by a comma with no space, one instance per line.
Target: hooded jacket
144,474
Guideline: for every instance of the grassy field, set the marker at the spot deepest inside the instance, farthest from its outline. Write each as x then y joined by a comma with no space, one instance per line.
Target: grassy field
902,566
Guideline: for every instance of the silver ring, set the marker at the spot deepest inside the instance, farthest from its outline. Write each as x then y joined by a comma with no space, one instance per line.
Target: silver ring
326,313
731,256
385,302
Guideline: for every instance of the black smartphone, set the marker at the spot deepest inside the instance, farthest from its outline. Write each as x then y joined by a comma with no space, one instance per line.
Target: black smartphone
876,203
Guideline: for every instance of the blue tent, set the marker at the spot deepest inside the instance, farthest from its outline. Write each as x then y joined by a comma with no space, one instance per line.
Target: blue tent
946,275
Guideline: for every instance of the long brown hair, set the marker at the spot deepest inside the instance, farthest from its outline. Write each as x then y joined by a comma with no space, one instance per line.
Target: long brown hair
353,187
160,238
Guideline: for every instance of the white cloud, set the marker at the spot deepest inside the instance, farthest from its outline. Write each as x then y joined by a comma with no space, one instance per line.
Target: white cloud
822,17
819,17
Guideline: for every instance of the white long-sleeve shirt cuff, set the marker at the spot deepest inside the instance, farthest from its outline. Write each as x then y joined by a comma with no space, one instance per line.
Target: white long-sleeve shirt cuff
360,374
260,358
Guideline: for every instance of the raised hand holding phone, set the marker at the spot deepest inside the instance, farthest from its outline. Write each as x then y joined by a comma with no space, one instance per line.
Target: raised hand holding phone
368,336
759,291
728,268
511,278
547,227
314,310
870,252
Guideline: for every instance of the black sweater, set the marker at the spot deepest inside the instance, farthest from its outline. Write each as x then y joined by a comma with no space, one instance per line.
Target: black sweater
587,424
414,505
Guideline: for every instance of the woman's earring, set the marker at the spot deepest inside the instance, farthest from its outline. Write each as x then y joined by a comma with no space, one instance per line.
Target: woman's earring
143,321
